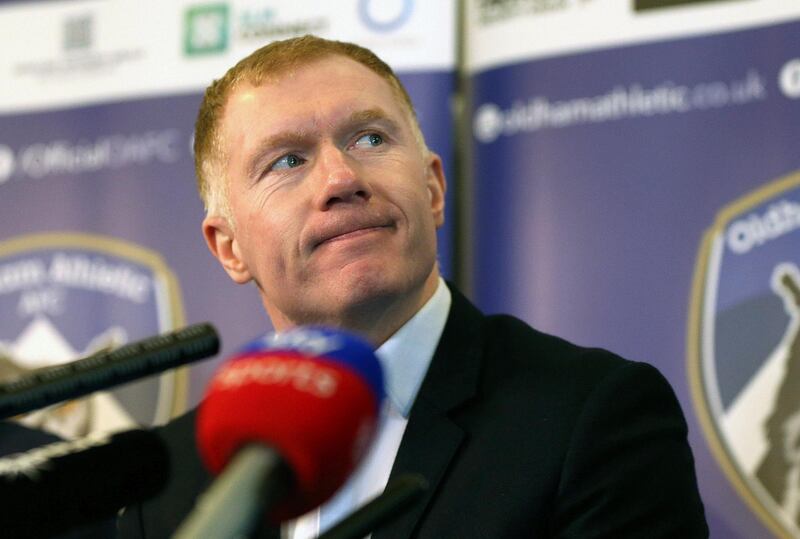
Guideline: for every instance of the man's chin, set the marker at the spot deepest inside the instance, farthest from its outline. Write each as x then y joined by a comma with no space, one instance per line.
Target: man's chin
368,282
363,294
366,289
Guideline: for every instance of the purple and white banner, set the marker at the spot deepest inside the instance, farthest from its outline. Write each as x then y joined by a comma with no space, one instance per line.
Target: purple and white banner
637,187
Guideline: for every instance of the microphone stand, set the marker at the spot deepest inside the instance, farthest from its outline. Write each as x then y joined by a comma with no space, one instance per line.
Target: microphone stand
233,506
399,495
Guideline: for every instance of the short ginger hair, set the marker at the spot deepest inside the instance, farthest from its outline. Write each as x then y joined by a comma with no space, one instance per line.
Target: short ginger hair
259,67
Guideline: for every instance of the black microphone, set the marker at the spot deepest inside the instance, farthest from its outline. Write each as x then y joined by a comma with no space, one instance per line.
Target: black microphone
398,495
56,487
107,369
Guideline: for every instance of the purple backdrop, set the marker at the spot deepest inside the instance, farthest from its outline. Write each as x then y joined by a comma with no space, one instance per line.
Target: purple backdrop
596,176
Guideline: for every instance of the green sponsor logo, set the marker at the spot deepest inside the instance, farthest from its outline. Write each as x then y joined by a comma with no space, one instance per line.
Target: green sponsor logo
206,29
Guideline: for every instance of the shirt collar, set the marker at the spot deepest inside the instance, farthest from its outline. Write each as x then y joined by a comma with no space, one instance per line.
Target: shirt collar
406,355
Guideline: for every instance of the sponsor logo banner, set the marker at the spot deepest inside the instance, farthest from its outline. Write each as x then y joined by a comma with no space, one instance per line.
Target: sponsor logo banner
88,52
744,348
502,32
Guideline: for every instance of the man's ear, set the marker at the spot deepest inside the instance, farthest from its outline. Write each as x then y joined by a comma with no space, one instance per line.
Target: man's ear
221,241
437,187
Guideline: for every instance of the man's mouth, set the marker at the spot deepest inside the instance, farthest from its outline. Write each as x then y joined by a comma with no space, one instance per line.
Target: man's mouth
344,231
352,234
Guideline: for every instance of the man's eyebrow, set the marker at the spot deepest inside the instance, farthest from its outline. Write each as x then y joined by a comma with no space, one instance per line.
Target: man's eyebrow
280,140
372,115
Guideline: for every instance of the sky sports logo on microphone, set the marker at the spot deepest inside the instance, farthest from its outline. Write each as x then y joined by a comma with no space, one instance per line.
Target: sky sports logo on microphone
309,359
279,369
317,413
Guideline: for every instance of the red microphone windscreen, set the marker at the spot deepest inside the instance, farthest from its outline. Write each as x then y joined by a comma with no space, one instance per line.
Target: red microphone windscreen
318,412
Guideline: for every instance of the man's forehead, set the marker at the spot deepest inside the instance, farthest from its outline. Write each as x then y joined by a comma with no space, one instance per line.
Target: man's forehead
306,121
332,69
348,91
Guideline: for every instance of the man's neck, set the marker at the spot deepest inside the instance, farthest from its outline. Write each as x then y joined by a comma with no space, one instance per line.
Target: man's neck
381,320
377,320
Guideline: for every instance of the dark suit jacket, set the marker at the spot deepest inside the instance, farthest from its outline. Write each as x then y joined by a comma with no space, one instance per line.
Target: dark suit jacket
520,434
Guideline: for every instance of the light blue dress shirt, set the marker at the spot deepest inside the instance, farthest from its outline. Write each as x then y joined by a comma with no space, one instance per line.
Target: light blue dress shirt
405,358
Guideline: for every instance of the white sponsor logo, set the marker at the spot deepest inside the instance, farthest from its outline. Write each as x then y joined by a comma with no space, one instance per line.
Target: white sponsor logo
76,271
488,122
115,151
789,79
620,102
308,341
6,163
303,375
96,274
756,230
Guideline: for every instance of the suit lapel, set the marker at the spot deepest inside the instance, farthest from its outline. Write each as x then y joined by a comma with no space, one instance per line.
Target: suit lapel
432,438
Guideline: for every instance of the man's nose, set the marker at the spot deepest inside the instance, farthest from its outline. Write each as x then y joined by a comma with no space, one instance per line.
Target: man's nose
340,179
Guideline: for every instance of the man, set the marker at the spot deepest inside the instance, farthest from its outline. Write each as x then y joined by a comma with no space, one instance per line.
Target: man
320,191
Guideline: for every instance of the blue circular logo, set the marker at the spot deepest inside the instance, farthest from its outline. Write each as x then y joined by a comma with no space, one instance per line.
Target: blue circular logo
385,16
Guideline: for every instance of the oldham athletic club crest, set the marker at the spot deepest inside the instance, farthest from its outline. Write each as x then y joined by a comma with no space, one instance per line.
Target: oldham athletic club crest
66,296
744,348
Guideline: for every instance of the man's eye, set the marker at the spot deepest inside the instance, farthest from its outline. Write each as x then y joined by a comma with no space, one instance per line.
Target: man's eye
370,139
287,161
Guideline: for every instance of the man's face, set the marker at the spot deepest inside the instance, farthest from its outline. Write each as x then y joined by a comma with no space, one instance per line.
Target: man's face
334,203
